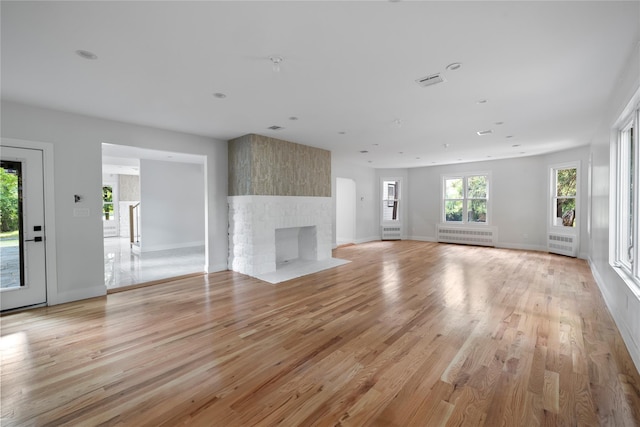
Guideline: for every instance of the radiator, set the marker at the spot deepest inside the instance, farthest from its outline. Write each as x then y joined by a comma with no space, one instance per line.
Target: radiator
391,232
563,244
485,236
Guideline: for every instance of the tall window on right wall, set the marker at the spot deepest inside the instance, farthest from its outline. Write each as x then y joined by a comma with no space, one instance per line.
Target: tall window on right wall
564,189
625,210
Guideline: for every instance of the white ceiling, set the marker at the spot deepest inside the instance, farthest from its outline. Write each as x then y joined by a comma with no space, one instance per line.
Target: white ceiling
546,69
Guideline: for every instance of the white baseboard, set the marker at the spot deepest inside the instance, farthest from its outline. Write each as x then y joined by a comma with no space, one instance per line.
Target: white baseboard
367,239
153,248
215,268
627,337
79,294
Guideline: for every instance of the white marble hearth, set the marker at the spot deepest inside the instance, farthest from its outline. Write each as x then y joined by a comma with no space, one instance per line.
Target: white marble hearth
304,236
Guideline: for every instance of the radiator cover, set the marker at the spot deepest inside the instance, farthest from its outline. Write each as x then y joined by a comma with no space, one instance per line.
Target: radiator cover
481,236
563,244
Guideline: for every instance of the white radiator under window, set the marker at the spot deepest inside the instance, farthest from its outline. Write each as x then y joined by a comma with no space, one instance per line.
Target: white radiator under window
563,244
482,236
391,232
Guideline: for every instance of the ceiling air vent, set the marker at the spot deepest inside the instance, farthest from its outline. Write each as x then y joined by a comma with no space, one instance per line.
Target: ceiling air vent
275,127
430,80
484,132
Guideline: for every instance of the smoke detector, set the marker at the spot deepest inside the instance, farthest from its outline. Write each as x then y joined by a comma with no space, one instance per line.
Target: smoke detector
431,80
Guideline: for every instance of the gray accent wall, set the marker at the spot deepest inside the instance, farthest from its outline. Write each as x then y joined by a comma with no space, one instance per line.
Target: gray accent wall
264,166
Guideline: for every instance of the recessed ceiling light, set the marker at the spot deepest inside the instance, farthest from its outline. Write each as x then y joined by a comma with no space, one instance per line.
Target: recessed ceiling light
375,145
482,101
370,161
275,127
417,158
400,152
219,95
293,118
86,54
499,123
516,145
363,151
509,136
454,66
342,133
484,132
445,146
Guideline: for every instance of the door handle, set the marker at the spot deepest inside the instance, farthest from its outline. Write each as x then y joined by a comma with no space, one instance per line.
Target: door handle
35,239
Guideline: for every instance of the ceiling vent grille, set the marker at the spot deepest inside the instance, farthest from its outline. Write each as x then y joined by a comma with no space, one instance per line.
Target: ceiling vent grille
275,127
431,80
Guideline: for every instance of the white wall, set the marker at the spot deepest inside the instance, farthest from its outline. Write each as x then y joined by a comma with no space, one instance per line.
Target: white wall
346,197
622,302
367,215
77,146
519,197
172,205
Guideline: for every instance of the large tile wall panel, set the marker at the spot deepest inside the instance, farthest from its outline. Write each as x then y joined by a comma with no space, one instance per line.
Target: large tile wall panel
267,166
240,166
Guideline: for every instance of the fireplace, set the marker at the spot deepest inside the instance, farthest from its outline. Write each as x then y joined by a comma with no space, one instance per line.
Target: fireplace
295,243
268,234
280,208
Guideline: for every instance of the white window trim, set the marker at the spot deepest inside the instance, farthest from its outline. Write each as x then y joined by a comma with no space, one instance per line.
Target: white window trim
552,191
382,198
630,114
465,222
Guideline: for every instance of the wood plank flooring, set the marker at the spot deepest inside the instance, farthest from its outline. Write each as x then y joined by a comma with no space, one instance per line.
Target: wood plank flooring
407,334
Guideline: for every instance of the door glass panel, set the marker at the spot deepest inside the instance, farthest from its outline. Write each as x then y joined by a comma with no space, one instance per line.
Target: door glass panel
11,254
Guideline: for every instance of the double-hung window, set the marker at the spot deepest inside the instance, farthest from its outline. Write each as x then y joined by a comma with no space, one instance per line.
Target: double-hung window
564,195
625,253
466,198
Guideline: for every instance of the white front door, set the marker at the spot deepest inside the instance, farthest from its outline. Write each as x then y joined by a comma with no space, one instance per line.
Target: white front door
22,244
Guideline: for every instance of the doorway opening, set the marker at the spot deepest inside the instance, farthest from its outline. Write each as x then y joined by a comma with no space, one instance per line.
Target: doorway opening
345,211
153,215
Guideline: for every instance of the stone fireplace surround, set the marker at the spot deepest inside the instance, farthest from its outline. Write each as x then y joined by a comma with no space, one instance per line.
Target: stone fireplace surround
253,221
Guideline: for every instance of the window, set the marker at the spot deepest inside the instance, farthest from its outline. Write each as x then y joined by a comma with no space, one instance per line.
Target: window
107,202
564,193
624,230
465,198
390,199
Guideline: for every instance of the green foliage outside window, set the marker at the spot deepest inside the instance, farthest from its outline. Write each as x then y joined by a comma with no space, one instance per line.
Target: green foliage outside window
107,201
566,189
9,219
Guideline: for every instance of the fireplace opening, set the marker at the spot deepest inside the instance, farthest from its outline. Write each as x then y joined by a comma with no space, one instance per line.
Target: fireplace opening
296,243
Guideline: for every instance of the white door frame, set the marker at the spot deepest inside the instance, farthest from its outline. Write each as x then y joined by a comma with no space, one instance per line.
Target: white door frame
49,210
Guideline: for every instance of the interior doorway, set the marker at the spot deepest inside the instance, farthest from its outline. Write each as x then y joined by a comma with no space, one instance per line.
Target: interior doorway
345,211
157,201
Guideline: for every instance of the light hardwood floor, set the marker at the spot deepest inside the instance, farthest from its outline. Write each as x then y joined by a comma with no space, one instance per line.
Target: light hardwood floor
409,333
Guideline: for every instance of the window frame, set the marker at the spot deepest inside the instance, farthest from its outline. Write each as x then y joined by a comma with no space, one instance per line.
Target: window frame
625,185
397,199
465,199
553,197
629,272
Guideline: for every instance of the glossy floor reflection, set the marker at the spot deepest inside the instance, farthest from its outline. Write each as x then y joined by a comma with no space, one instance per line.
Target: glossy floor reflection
122,267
